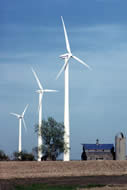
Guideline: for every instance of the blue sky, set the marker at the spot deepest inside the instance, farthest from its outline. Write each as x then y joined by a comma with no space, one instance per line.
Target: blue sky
31,34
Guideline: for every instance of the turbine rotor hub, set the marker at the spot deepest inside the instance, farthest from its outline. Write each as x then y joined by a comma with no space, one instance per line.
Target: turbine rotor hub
39,91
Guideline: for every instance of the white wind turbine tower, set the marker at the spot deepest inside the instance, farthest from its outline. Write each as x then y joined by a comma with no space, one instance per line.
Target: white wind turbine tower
41,92
65,68
21,118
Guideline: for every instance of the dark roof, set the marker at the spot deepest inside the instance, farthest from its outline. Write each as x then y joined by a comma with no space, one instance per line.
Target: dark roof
98,146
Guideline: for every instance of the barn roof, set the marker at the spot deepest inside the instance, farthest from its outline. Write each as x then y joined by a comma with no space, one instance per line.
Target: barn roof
98,146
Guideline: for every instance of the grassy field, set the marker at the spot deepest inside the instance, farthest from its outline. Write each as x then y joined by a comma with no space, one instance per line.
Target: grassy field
47,187
44,187
87,187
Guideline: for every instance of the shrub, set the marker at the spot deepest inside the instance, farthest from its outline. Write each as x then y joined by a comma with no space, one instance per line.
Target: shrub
23,156
3,156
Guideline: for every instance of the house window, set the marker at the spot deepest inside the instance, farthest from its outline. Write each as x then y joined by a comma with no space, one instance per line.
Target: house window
101,158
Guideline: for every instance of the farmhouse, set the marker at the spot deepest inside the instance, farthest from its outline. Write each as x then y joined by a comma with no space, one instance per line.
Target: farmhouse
98,151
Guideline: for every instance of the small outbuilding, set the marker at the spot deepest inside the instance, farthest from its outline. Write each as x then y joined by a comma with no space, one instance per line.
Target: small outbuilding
98,151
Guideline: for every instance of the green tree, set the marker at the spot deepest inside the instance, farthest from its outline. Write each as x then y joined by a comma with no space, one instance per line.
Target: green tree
53,139
3,156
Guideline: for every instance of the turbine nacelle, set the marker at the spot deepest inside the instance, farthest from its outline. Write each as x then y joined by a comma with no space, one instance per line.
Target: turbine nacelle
40,91
45,90
20,117
66,56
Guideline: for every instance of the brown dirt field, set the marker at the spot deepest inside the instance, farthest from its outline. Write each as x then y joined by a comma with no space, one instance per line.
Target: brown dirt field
68,173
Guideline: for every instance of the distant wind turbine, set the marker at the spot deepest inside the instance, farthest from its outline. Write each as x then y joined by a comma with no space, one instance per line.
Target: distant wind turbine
21,118
41,92
65,68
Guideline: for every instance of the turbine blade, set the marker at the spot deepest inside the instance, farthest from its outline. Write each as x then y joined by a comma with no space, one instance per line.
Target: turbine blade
24,110
24,124
48,90
66,37
37,79
15,114
82,62
63,68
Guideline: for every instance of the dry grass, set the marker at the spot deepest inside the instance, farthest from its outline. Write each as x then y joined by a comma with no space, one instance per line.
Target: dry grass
9,170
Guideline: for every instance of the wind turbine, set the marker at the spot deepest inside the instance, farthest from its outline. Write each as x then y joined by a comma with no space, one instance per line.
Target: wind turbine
21,118
41,92
65,68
